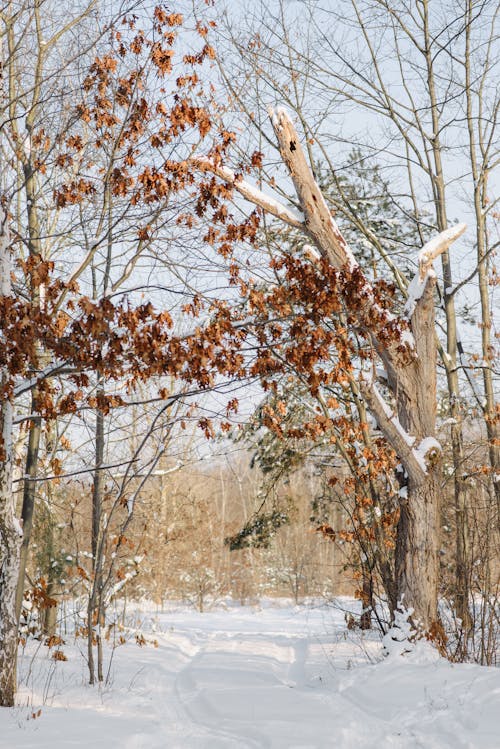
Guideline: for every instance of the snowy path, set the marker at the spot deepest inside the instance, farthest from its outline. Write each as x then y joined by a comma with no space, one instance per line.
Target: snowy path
280,678
251,693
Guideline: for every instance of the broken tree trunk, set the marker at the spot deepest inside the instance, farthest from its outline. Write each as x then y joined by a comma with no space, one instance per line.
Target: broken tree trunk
407,416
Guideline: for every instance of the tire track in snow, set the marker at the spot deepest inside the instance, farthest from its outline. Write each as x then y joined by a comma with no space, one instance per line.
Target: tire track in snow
198,688
252,691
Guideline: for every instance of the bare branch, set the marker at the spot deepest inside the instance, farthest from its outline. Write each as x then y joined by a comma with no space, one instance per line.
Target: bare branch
318,219
436,246
429,252
398,438
287,214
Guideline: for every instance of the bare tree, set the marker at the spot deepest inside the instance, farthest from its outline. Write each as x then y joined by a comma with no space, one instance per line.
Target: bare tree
10,529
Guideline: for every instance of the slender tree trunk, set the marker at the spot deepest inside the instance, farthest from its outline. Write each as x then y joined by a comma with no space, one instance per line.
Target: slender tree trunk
387,574
100,626
97,486
479,152
460,489
10,529
90,637
32,193
365,621
10,545
96,602
28,503
49,618
94,614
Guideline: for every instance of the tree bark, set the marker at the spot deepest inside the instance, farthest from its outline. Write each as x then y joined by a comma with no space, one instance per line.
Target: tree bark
10,544
417,561
35,250
28,503
439,192
368,605
95,614
480,159
10,529
49,614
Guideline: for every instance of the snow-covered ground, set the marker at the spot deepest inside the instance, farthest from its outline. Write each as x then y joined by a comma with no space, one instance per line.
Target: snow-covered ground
273,676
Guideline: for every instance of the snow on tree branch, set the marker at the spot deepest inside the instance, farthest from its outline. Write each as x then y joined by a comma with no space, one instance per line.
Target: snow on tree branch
318,219
269,204
398,437
429,252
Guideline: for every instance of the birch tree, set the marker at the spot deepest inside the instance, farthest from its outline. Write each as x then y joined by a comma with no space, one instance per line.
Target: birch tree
57,339
37,111
10,529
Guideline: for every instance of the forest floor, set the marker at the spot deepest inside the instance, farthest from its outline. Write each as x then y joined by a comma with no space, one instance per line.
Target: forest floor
273,675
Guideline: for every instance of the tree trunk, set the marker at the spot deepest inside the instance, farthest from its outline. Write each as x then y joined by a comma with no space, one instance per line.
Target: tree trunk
417,563
10,545
28,503
10,529
49,614
8,627
389,584
417,560
97,487
440,203
95,614
90,637
481,163
35,250
365,620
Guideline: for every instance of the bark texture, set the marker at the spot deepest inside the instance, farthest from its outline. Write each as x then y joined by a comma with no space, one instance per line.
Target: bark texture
10,547
28,504
417,561
10,529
